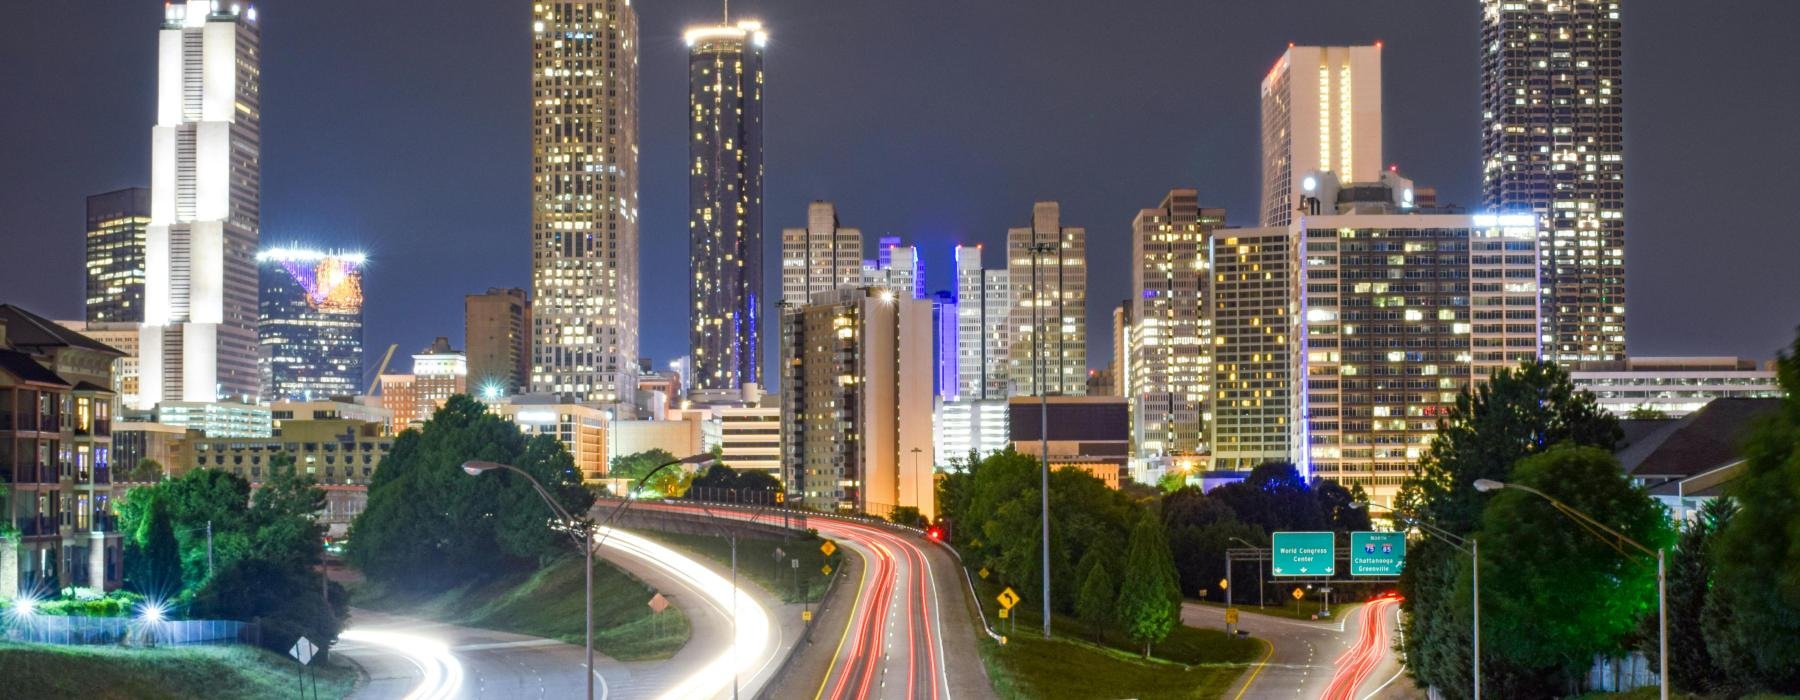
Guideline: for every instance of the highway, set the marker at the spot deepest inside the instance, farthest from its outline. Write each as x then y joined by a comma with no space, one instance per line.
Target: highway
1350,657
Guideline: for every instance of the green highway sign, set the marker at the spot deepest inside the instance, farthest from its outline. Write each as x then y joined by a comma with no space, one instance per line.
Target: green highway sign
1304,553
1377,553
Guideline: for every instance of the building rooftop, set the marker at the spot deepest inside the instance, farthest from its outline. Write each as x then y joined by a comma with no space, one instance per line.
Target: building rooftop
1663,451
31,332
27,369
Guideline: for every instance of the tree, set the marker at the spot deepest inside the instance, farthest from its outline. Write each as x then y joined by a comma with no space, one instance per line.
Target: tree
1755,632
157,572
1095,604
1568,591
1200,530
1274,497
146,470
1149,601
1691,571
1514,414
430,525
634,466
906,515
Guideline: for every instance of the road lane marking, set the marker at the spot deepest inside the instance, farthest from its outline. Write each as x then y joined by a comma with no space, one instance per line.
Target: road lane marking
1258,669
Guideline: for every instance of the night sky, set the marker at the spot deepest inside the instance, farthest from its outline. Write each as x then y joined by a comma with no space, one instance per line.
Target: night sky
401,127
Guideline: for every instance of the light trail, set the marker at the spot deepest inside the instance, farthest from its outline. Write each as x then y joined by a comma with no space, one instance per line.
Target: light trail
442,673
749,643
1360,660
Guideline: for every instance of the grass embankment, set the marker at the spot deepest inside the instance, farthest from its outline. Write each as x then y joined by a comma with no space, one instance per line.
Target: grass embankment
1651,693
757,561
1298,610
547,603
108,672
1077,663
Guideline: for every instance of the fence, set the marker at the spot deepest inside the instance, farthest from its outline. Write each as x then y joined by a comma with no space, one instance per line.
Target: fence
75,630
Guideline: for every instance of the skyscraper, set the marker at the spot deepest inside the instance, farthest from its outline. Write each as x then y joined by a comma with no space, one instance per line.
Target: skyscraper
819,258
1553,145
497,339
199,334
1169,344
1049,315
1321,108
116,228
897,267
1251,309
725,204
311,326
584,215
983,328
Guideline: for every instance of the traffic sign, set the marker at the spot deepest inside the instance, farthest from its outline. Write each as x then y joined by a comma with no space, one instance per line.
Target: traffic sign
1004,612
303,651
658,603
1377,553
828,548
1298,594
826,569
806,616
1008,598
1304,553
1224,584
983,572
1231,616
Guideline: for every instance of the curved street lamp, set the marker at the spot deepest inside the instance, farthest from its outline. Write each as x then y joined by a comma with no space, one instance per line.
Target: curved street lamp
1662,577
581,530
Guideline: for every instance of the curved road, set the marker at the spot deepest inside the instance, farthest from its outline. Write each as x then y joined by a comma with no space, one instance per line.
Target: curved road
1351,657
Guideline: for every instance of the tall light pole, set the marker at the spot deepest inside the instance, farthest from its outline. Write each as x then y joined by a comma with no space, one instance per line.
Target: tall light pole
919,494
1662,575
1041,369
585,536
1470,546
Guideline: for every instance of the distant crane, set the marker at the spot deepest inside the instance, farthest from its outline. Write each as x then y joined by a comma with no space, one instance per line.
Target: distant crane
376,383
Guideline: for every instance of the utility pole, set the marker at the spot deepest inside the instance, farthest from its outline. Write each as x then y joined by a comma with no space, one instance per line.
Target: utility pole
209,553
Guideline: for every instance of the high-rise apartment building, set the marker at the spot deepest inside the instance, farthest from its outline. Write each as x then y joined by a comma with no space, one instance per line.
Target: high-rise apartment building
200,284
984,307
117,224
1553,145
497,340
820,258
311,326
1321,111
1250,301
856,402
1047,271
725,204
584,215
1169,346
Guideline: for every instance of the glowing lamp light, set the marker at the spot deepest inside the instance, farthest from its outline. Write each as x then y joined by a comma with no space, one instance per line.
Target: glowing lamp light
152,611
1309,184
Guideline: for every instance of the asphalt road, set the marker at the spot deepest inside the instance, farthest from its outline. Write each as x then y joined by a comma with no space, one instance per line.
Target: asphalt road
410,658
1304,658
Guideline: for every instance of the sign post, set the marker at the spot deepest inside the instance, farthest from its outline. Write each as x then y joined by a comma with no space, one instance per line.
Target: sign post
1304,554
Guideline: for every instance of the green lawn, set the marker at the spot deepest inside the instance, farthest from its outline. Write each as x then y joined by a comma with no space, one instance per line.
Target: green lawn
1651,693
547,603
1077,663
108,672
756,561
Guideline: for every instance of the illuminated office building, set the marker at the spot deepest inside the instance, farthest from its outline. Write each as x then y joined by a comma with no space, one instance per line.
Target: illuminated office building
312,323
1250,304
896,267
584,214
984,306
497,340
725,204
1321,111
821,258
1049,315
438,372
1553,145
117,223
198,342
1169,342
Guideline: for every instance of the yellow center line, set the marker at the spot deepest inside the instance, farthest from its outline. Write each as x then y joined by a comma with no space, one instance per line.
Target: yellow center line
850,622
1253,672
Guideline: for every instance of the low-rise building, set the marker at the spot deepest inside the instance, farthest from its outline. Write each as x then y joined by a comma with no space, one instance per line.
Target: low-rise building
1673,386
331,451
346,409
56,415
218,419
1090,433
750,433
969,426
582,429
1685,462
439,372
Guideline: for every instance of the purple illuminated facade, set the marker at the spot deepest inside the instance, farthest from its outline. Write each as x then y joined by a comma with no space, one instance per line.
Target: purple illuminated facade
311,324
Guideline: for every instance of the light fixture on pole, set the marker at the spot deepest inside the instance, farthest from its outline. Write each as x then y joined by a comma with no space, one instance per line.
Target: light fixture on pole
1662,576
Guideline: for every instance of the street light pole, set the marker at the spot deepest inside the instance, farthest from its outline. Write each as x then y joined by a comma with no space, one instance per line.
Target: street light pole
919,494
1662,574
1042,370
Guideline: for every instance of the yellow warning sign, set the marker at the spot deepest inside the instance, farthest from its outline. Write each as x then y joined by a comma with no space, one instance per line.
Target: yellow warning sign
1298,594
828,548
1008,598
826,569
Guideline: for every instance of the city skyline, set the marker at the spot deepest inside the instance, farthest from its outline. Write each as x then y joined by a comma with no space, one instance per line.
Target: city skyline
1217,156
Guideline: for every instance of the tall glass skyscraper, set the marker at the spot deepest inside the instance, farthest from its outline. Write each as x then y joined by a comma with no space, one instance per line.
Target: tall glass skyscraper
1553,145
312,323
584,195
725,204
116,225
198,341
